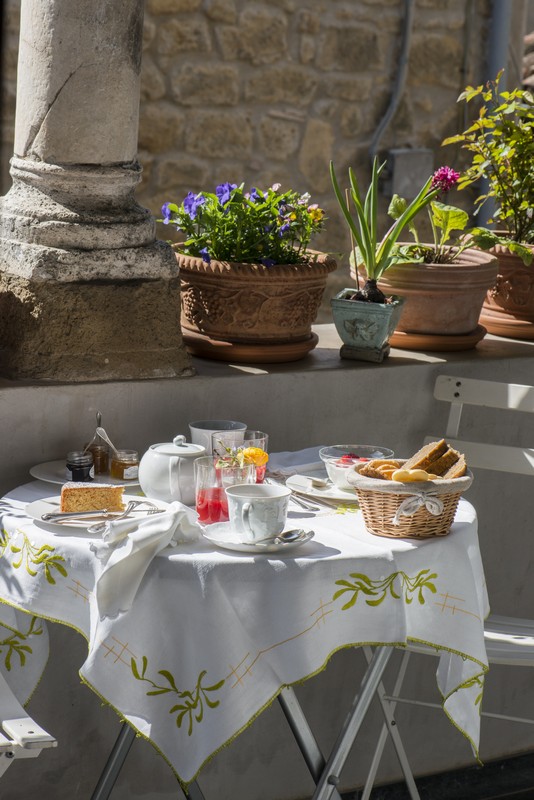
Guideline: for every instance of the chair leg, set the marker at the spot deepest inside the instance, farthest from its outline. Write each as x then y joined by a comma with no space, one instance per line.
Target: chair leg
390,729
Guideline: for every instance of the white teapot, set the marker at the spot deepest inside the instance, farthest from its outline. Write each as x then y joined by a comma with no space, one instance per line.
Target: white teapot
166,470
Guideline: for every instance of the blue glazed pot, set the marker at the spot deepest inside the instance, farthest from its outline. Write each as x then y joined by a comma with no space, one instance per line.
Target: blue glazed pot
365,325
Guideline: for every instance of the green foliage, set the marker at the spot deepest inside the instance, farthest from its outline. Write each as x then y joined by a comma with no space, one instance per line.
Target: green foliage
501,144
268,227
376,253
444,219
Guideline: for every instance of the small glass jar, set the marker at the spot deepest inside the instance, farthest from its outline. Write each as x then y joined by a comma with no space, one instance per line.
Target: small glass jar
79,466
100,457
125,465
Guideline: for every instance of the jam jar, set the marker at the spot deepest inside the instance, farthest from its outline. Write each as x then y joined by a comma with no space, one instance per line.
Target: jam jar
124,465
79,466
100,457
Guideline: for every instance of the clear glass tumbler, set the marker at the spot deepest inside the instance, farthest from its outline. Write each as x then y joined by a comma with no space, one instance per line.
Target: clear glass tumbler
211,480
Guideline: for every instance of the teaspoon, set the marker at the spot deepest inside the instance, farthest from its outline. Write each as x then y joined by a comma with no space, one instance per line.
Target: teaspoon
286,536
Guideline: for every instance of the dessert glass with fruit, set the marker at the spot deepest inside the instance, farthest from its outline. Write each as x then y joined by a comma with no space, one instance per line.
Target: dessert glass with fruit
342,459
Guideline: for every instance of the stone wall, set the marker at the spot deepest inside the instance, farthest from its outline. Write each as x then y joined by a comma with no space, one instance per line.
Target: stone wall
266,92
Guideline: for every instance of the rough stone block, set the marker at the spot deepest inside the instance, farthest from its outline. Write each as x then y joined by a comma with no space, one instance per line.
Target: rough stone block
221,134
152,81
291,84
259,37
210,84
160,126
351,49
221,11
278,138
316,153
435,60
172,173
349,88
183,35
172,6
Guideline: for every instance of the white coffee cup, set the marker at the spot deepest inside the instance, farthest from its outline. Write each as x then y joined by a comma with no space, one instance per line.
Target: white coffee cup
257,511
202,431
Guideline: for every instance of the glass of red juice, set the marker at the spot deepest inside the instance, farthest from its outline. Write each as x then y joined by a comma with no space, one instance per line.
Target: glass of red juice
211,481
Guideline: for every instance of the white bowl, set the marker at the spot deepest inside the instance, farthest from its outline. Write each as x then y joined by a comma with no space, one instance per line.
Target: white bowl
342,459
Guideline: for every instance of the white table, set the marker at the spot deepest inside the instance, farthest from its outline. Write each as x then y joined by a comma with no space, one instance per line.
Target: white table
258,623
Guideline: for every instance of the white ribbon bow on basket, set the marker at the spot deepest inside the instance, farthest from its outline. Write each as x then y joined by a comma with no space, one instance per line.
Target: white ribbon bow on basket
413,503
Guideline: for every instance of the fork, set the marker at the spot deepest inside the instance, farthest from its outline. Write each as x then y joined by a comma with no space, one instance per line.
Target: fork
100,527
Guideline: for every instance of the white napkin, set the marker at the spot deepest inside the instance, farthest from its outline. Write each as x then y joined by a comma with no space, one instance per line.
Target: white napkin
292,462
127,549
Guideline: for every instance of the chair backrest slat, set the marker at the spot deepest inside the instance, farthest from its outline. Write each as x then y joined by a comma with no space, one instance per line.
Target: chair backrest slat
492,394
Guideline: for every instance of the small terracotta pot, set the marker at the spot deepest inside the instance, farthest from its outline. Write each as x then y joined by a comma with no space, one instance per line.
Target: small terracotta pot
508,309
250,312
442,299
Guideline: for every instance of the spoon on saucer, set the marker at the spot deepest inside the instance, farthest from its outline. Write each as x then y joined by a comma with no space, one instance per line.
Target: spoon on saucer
286,537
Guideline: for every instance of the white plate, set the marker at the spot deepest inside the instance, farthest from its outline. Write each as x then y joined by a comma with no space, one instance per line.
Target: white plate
47,505
302,485
54,472
222,535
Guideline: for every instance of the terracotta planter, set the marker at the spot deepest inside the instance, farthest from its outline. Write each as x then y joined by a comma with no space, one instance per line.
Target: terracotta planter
249,312
443,301
508,309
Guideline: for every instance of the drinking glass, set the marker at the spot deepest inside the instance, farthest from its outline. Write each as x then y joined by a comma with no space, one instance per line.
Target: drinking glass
211,481
224,444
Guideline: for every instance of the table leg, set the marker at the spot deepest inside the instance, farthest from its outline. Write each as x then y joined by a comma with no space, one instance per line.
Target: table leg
330,776
303,734
390,729
115,762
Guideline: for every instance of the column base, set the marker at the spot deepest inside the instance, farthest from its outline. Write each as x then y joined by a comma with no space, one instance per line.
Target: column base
93,330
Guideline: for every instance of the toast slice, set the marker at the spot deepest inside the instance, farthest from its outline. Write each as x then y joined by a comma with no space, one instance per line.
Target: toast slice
427,455
456,471
444,462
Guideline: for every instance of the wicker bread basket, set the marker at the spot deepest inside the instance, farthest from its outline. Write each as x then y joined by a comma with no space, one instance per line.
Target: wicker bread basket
409,510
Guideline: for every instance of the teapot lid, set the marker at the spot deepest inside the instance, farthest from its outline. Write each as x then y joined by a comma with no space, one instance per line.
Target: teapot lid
179,447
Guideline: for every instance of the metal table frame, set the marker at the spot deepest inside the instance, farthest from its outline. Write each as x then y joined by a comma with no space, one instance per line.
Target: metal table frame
325,772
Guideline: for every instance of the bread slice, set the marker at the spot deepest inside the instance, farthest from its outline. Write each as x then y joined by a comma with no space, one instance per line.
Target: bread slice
457,470
427,455
91,497
444,462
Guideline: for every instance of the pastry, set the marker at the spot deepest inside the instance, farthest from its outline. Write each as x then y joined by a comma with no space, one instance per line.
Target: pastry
91,497
457,470
427,455
373,468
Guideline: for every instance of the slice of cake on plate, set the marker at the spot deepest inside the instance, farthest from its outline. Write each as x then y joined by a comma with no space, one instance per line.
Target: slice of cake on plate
91,497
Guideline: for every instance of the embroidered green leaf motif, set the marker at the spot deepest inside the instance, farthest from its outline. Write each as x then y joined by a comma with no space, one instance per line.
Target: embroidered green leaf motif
192,704
4,541
396,584
13,644
347,508
476,680
31,555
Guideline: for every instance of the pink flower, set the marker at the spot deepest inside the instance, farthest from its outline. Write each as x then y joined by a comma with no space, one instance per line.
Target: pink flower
444,179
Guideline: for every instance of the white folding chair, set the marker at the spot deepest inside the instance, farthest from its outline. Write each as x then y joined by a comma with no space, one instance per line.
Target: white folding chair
508,640
21,737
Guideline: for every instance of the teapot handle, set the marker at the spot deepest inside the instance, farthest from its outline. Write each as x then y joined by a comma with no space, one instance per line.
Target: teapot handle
174,477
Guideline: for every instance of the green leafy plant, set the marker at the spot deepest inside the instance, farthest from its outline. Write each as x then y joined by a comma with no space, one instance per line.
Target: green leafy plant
444,220
260,226
376,253
501,142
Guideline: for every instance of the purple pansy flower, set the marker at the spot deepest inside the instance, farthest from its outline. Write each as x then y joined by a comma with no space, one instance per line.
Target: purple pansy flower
165,210
284,229
254,195
268,262
223,192
192,202
444,179
205,255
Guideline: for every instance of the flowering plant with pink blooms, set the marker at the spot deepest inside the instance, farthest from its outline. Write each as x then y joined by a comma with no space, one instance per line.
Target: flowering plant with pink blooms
252,227
444,220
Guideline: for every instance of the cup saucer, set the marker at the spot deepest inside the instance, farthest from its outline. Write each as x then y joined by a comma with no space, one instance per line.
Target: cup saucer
222,535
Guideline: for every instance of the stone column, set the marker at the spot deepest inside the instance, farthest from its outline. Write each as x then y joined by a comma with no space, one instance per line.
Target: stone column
86,291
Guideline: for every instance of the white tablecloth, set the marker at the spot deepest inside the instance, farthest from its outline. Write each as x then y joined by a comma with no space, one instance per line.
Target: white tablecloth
213,636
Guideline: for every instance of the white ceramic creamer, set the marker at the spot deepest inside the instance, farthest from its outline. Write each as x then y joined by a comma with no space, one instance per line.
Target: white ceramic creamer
166,470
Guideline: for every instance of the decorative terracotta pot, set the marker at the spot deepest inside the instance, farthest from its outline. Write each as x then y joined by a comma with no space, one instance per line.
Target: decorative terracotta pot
508,309
443,301
249,312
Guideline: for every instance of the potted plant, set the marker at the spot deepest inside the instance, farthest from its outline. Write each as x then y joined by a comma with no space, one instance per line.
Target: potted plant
250,286
366,318
444,282
501,143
